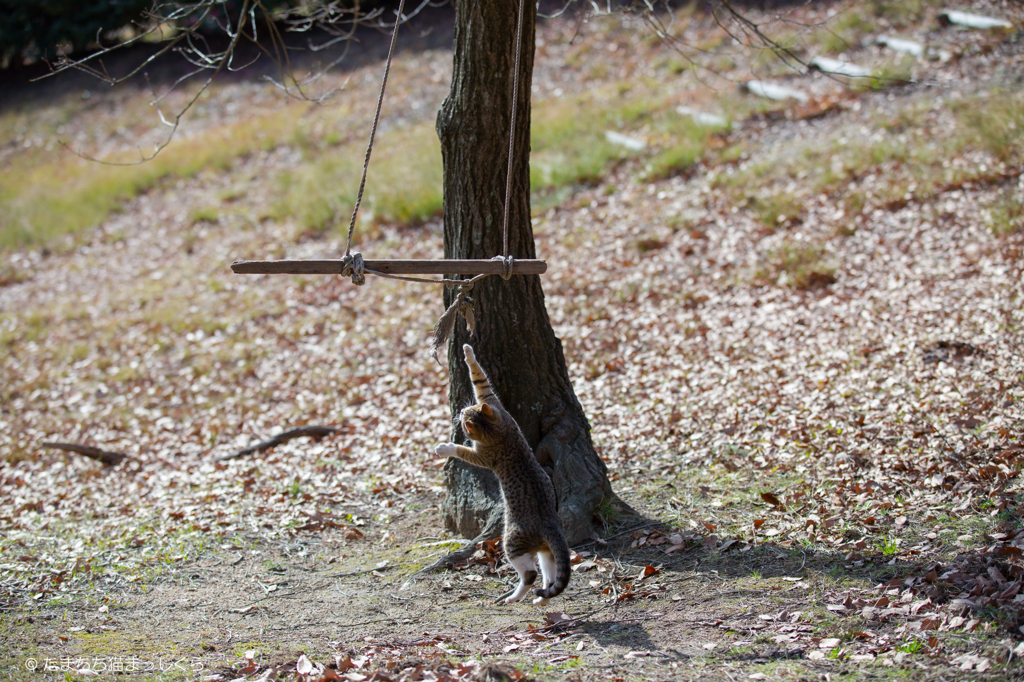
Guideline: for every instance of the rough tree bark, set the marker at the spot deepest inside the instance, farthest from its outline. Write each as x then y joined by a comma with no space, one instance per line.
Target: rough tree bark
513,338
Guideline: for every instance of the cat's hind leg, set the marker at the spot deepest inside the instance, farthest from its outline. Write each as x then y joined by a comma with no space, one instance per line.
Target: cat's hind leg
527,570
546,560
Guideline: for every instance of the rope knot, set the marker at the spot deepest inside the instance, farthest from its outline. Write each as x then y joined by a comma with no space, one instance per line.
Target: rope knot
506,266
352,266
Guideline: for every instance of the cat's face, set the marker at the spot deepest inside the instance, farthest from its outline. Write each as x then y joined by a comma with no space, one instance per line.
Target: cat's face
480,422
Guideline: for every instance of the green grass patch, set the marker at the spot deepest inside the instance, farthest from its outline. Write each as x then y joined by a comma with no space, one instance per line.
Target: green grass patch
43,199
840,33
47,194
684,144
778,208
801,266
1006,215
12,274
844,31
918,158
44,196
404,183
996,123
888,545
568,143
204,214
903,14
672,160
570,147
911,646
896,72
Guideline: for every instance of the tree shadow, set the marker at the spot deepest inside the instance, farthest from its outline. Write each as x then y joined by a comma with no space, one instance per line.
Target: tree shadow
37,85
432,28
900,589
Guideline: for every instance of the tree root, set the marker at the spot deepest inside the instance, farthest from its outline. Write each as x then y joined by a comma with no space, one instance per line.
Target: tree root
316,432
107,457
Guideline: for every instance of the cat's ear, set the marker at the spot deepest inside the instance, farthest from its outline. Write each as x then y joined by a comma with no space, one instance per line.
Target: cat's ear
486,410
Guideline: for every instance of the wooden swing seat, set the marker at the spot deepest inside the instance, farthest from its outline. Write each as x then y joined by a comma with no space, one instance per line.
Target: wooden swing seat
389,267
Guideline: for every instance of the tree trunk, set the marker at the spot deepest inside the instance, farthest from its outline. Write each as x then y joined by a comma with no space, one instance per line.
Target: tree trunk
513,338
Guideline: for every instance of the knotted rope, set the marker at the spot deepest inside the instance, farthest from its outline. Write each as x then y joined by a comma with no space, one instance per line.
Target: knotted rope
506,266
352,266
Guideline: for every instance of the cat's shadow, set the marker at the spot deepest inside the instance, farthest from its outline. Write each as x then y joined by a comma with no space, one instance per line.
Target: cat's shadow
625,633
635,637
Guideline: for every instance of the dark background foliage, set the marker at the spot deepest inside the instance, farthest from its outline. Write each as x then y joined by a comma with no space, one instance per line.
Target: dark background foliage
31,30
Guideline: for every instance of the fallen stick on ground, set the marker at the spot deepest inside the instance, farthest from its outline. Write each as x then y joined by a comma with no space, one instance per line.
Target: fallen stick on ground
316,432
107,457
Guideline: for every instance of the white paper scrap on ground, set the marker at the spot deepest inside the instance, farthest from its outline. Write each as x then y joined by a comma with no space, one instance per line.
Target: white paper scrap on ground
626,141
826,65
778,93
703,118
952,16
911,47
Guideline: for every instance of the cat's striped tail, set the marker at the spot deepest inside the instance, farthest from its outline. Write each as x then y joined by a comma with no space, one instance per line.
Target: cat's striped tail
563,569
482,389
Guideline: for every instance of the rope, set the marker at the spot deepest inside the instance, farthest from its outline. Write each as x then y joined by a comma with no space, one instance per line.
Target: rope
347,272
373,131
511,140
352,266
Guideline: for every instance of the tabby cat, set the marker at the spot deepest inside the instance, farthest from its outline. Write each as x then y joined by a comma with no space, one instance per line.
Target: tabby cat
532,528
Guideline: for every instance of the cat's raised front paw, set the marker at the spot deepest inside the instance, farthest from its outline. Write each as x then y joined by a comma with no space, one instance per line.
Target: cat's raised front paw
446,450
468,350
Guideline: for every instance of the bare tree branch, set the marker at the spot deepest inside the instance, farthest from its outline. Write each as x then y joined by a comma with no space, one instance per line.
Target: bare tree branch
259,26
107,457
315,432
217,62
334,18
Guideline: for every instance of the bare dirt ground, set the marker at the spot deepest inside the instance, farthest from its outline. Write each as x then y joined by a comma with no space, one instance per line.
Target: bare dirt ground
814,404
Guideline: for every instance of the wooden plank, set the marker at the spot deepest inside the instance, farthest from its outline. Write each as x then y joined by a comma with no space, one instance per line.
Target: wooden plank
390,267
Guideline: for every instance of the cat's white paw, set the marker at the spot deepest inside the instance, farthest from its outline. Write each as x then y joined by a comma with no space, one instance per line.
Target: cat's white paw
446,450
513,599
541,601
468,350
